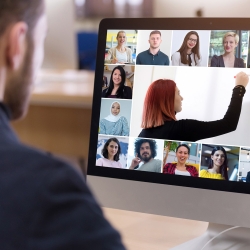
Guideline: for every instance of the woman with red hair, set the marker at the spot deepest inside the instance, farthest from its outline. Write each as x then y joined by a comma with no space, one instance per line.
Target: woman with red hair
163,101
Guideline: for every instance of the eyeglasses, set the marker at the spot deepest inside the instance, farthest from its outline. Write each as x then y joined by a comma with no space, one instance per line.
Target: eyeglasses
192,40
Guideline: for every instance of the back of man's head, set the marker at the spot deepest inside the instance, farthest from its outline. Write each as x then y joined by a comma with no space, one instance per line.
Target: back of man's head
21,51
12,11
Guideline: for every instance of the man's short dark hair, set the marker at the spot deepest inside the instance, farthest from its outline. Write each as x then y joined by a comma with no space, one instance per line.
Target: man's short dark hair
155,32
152,144
12,11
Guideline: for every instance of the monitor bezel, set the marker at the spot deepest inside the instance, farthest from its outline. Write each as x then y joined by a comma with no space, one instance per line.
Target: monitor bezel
152,24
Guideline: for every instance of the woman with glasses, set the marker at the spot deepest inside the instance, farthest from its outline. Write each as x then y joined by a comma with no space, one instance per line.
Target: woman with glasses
228,59
189,52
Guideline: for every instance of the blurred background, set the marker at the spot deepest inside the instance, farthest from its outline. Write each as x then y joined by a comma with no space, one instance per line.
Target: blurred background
60,111
73,24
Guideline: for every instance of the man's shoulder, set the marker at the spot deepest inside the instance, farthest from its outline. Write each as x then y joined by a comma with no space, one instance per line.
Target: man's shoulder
30,173
145,52
38,184
156,161
34,163
162,54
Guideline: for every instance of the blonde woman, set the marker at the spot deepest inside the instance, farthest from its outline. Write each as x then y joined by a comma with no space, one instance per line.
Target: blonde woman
228,59
120,53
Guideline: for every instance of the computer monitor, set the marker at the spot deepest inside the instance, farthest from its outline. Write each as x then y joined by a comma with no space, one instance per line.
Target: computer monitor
148,176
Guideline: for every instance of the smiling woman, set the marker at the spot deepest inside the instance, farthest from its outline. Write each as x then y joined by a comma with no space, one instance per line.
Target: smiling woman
117,88
120,53
217,168
228,59
111,152
114,124
189,52
181,168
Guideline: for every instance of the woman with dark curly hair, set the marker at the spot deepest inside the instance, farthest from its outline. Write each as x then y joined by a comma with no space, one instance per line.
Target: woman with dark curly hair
217,168
111,152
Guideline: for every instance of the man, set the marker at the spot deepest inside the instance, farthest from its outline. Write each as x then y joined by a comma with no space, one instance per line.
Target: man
45,204
145,151
153,56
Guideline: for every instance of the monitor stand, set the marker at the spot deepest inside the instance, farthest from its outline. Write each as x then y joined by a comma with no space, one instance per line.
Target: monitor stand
235,239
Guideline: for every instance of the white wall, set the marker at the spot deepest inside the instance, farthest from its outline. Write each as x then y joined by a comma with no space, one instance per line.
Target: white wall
199,86
211,8
60,44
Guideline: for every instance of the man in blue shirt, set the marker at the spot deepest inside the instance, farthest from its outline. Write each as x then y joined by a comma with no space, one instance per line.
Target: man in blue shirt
153,56
45,203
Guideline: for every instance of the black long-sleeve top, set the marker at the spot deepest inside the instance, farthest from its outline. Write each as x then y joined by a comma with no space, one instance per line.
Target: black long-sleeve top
193,130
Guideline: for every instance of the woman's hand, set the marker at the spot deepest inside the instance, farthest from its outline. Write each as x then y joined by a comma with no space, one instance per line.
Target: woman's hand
114,61
241,79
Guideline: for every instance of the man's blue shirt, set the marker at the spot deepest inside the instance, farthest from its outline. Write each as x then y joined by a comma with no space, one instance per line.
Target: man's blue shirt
146,58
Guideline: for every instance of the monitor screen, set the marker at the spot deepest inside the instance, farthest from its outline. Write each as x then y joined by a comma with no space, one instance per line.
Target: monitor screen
170,106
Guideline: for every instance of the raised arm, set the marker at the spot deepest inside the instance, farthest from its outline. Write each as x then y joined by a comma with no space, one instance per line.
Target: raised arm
194,130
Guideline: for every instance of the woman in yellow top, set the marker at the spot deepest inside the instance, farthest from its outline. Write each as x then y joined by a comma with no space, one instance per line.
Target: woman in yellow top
217,168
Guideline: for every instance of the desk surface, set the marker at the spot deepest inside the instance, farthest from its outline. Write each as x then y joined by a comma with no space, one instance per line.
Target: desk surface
148,232
69,88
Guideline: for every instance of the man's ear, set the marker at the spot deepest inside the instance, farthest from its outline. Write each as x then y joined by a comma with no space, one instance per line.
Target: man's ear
16,45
